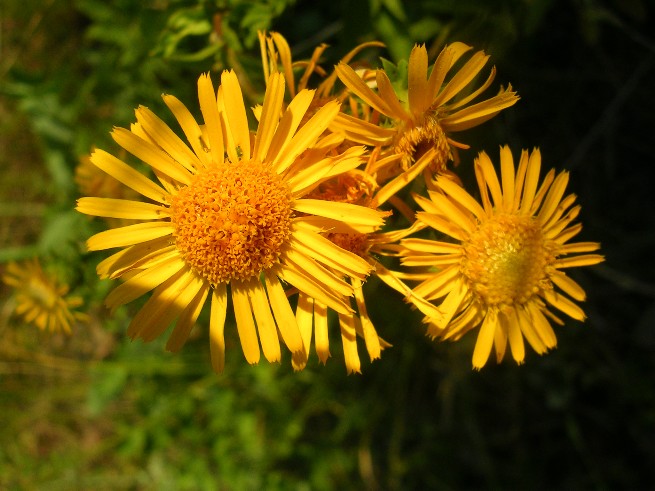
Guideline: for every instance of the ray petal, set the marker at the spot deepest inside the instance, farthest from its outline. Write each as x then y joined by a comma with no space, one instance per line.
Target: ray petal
125,174
283,313
235,112
129,235
265,321
245,322
485,339
121,208
217,327
268,121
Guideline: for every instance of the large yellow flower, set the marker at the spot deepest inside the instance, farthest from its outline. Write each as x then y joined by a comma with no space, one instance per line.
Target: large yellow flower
431,110
229,217
41,299
508,259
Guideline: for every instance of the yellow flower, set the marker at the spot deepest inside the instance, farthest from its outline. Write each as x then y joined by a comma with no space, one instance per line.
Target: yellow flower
432,109
508,261
229,211
358,187
41,299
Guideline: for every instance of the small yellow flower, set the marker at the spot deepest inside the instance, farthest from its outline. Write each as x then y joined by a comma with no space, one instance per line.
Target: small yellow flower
508,259
40,299
229,217
430,112
358,187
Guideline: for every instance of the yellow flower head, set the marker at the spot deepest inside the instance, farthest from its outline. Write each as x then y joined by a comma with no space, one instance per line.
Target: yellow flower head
506,264
41,299
434,107
229,217
357,187
353,187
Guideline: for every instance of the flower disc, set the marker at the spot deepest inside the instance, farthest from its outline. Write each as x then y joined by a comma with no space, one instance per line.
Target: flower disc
505,259
232,221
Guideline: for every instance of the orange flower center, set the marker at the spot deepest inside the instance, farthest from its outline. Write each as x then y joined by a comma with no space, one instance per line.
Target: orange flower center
232,221
506,260
414,141
355,243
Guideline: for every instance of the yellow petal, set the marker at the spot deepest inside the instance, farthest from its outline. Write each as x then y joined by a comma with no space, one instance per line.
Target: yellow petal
285,58
167,302
507,177
187,319
264,318
326,252
385,89
125,174
235,112
310,267
245,322
451,304
371,337
286,127
209,109
305,321
575,261
563,304
445,61
151,155
145,280
417,81
360,131
163,136
515,337
307,284
432,246
459,194
138,256
554,196
530,329
284,317
349,340
462,78
476,114
485,339
392,187
217,327
484,166
354,82
448,209
306,136
578,247
568,285
189,126
268,122
442,224
500,340
121,208
321,339
360,218
129,235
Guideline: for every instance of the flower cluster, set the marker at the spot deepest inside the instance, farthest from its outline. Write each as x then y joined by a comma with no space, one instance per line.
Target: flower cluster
284,220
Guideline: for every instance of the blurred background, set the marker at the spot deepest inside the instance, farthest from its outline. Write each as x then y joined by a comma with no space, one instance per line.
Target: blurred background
95,411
